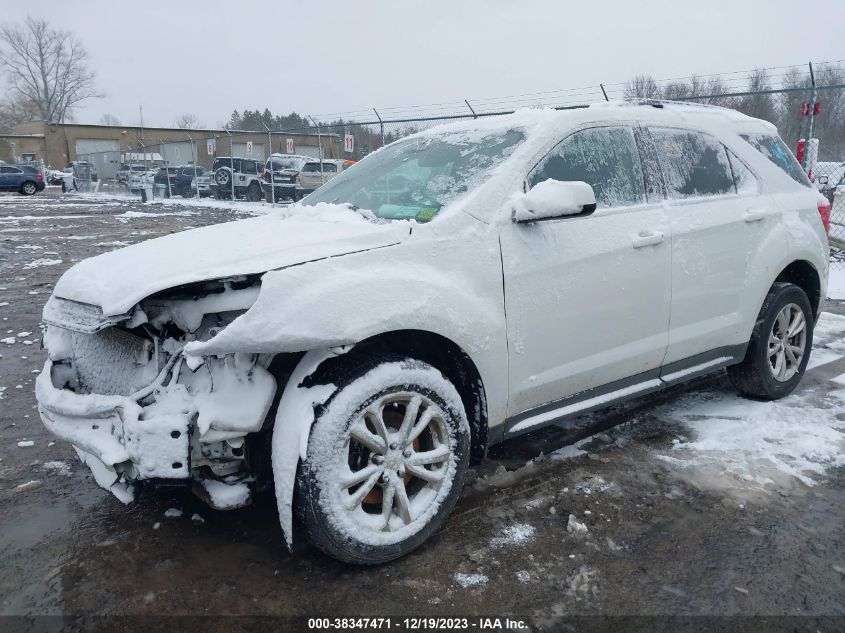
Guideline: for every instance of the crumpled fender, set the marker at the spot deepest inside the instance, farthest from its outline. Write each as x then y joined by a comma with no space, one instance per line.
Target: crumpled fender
294,418
344,300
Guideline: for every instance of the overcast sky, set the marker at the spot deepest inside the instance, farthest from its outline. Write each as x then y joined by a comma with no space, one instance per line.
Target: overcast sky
336,56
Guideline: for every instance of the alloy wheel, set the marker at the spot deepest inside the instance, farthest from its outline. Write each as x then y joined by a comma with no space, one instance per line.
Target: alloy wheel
395,461
787,342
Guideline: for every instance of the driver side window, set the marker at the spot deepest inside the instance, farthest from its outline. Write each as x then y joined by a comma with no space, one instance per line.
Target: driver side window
606,158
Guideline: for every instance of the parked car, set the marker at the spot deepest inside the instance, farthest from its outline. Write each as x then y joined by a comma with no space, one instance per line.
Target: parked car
203,184
180,179
138,180
244,182
357,353
311,177
26,180
83,170
281,171
122,174
829,176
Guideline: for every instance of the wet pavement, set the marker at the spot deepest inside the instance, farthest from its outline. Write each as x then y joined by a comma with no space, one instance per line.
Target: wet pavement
614,526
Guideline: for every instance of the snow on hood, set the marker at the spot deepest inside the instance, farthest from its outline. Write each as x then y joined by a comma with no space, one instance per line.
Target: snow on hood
117,280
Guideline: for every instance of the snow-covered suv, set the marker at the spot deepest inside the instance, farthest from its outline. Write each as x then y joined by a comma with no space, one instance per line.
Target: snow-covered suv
236,178
459,287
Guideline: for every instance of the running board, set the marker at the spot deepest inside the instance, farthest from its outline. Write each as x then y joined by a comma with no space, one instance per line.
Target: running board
619,391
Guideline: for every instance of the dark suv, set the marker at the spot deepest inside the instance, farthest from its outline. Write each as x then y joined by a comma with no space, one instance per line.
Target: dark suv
27,180
180,179
236,178
280,174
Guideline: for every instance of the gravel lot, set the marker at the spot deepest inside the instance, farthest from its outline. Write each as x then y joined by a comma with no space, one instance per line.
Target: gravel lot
660,523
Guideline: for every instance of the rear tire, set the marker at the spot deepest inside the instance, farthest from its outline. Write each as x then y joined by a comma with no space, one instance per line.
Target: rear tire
397,428
28,189
772,367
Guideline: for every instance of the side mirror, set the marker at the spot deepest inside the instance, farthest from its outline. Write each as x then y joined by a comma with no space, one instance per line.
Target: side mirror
553,199
822,180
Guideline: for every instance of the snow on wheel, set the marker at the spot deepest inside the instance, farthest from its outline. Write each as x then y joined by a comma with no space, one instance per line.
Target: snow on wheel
386,461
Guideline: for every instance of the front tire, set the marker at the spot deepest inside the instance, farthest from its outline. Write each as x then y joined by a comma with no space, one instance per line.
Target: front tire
387,457
780,345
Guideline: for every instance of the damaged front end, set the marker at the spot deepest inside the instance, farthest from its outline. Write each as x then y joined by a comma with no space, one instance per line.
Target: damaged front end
137,408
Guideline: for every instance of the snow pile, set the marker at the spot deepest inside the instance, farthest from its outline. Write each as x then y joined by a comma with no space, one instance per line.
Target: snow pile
576,527
517,534
58,467
470,581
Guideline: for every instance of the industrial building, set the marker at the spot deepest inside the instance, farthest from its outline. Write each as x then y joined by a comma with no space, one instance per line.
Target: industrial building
109,146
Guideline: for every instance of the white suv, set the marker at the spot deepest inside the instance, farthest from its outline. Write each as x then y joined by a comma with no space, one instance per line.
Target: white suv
457,288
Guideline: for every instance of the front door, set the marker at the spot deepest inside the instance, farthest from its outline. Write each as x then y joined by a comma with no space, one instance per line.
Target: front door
587,298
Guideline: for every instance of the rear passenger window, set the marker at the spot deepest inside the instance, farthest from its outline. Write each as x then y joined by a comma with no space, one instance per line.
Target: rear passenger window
694,164
773,148
744,180
605,158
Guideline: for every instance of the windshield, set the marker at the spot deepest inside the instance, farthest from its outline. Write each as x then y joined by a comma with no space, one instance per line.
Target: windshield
417,177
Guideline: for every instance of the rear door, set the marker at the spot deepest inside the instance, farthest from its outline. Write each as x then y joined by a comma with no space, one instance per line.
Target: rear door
717,214
587,298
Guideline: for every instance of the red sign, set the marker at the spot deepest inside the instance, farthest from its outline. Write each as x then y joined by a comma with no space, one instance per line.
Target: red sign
805,109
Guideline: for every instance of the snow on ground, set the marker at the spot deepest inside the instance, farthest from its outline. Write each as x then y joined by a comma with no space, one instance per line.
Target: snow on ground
470,581
516,534
38,263
836,282
743,447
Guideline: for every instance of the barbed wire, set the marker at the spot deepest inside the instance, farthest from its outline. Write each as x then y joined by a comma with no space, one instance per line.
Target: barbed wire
729,81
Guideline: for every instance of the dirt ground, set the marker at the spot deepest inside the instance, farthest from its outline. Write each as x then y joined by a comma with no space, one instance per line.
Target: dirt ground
655,541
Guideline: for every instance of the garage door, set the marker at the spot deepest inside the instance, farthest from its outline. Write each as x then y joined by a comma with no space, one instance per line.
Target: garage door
178,153
240,150
103,154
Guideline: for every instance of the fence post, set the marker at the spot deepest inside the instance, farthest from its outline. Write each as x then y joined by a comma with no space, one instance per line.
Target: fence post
194,160
474,115
320,145
232,164
166,169
381,125
810,116
270,158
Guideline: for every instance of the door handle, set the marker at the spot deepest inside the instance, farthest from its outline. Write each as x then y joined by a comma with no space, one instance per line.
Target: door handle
755,215
648,238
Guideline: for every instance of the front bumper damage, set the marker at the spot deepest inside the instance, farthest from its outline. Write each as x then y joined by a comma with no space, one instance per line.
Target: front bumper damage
184,425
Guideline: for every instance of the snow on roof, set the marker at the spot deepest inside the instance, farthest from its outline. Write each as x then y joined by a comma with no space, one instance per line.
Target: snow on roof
651,111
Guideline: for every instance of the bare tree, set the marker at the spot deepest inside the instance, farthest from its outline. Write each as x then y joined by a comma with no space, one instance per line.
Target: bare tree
759,105
189,120
642,87
14,111
109,119
46,67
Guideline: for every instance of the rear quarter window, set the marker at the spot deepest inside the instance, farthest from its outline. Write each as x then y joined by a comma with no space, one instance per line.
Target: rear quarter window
773,148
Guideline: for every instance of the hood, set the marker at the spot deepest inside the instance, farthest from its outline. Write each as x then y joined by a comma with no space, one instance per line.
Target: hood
118,280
